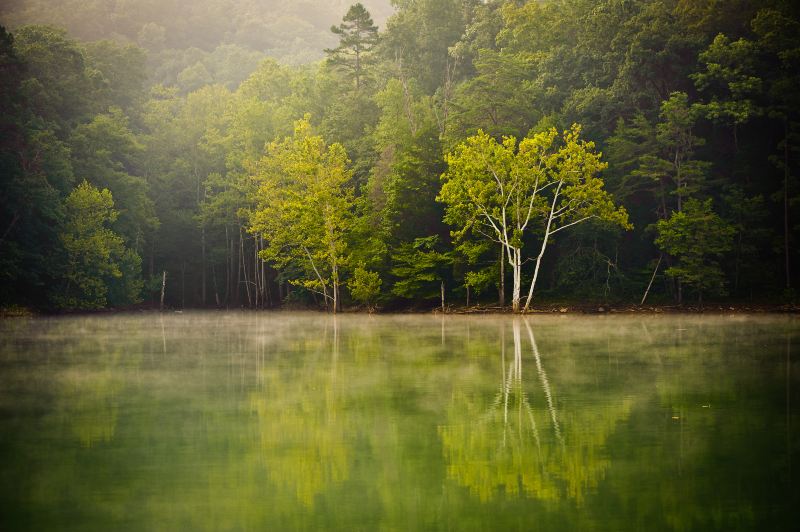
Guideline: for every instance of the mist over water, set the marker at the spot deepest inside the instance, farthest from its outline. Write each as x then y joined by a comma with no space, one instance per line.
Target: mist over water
305,421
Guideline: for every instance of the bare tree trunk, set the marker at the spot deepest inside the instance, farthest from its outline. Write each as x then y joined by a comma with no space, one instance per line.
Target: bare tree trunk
227,268
183,285
442,286
647,291
244,267
203,265
264,277
336,302
335,282
14,220
238,291
535,276
151,268
786,201
214,279
517,265
163,289
547,234
256,276
502,288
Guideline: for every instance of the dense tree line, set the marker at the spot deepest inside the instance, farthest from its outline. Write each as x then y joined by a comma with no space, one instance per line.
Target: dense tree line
615,151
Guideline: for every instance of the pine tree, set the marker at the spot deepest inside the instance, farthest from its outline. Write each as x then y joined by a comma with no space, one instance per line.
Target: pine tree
358,35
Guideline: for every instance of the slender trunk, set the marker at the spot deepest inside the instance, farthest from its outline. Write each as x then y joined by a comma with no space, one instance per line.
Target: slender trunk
647,291
244,267
467,287
544,247
358,68
163,289
203,265
517,266
238,289
335,281
227,268
151,268
183,285
737,263
256,275
442,286
264,278
214,279
535,276
786,201
202,244
264,286
14,220
502,289
407,101
679,182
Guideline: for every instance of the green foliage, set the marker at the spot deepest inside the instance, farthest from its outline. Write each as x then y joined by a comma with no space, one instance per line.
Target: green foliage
118,74
503,191
106,153
730,68
358,35
684,100
303,207
94,253
697,237
365,286
420,268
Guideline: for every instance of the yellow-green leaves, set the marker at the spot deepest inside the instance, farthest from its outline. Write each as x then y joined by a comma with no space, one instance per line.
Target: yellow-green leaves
506,191
303,205
94,252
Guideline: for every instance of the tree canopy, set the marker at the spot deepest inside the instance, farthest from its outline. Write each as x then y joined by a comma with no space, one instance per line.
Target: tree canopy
412,153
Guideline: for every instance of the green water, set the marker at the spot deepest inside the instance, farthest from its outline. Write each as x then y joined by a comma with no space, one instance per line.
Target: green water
258,421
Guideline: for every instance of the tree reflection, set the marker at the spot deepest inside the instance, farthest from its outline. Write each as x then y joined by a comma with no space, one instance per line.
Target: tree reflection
521,444
301,426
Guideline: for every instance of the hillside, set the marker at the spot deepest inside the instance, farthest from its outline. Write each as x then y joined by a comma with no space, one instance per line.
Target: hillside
294,32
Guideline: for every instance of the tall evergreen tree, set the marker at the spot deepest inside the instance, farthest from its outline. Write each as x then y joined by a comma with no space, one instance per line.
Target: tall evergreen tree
358,35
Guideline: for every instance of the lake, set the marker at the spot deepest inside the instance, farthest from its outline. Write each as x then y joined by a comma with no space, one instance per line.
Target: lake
286,421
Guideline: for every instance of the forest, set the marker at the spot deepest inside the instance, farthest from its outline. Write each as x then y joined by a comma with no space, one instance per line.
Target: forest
429,152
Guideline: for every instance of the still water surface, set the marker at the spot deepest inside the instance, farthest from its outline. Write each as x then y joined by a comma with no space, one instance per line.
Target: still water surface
280,421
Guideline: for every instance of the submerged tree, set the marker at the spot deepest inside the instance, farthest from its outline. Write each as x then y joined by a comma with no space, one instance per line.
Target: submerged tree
545,184
304,204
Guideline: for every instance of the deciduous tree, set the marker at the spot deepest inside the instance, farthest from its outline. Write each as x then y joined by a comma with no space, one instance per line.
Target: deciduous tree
544,185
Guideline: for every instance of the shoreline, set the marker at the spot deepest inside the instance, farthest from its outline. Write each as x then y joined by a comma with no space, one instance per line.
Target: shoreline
546,309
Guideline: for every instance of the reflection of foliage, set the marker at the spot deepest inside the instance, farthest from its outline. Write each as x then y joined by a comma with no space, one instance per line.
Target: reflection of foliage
492,454
91,405
140,427
302,434
515,448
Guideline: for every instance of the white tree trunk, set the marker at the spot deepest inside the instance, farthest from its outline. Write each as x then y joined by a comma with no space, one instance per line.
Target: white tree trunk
547,234
516,264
